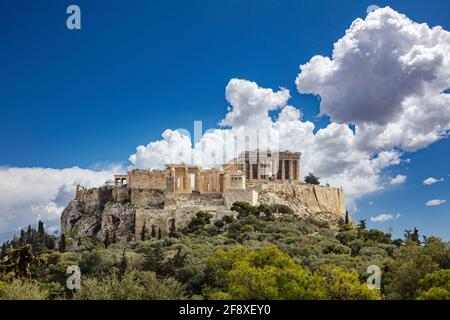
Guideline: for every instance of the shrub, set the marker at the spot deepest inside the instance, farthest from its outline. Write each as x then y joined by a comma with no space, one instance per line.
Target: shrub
22,290
135,285
435,286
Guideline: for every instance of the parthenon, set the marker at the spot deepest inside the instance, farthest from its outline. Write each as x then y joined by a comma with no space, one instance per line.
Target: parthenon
267,165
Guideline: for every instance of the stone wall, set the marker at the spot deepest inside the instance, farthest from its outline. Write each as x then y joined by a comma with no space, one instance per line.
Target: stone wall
233,195
197,199
147,197
121,194
303,198
145,179
89,197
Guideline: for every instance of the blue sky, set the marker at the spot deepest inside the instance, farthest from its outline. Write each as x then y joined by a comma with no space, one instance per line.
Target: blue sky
89,97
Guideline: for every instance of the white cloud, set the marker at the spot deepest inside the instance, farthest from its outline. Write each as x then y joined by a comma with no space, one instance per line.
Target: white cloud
435,202
250,104
30,194
399,179
384,217
371,8
387,75
429,181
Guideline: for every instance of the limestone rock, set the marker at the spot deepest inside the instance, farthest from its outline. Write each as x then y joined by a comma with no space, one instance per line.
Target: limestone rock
79,220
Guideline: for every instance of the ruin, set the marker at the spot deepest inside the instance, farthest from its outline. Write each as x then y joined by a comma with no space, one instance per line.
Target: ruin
159,198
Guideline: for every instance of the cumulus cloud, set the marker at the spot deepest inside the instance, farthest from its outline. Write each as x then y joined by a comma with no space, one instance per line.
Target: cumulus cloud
250,104
430,181
399,179
388,75
434,203
30,194
384,217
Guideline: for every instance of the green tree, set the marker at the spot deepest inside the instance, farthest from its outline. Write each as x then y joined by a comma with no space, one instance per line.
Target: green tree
403,274
312,179
199,222
62,243
172,228
19,263
264,274
412,235
281,209
438,250
362,224
244,209
41,243
123,267
107,241
22,238
154,260
219,224
343,285
435,286
4,251
228,219
144,232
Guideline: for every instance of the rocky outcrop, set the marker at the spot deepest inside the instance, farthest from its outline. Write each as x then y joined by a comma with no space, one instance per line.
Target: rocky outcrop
79,220
304,199
122,213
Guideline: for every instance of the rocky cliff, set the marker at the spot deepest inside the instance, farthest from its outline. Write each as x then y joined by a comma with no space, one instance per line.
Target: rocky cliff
122,212
304,199
79,220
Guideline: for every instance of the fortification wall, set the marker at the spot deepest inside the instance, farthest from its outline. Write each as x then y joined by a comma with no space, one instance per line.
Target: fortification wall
145,179
121,194
303,198
147,197
197,199
92,198
233,195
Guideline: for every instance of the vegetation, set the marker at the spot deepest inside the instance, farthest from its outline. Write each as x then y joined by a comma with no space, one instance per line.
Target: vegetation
312,179
265,252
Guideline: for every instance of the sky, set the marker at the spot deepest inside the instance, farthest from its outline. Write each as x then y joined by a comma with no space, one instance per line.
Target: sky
369,106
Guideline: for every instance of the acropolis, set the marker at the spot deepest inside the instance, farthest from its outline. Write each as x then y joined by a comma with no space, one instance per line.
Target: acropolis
159,198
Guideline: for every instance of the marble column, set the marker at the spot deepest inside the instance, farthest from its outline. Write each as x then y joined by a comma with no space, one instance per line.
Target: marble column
291,170
187,181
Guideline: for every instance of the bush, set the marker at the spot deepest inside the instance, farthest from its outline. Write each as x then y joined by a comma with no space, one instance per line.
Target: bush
435,286
22,290
199,222
312,179
135,285
259,275
343,285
